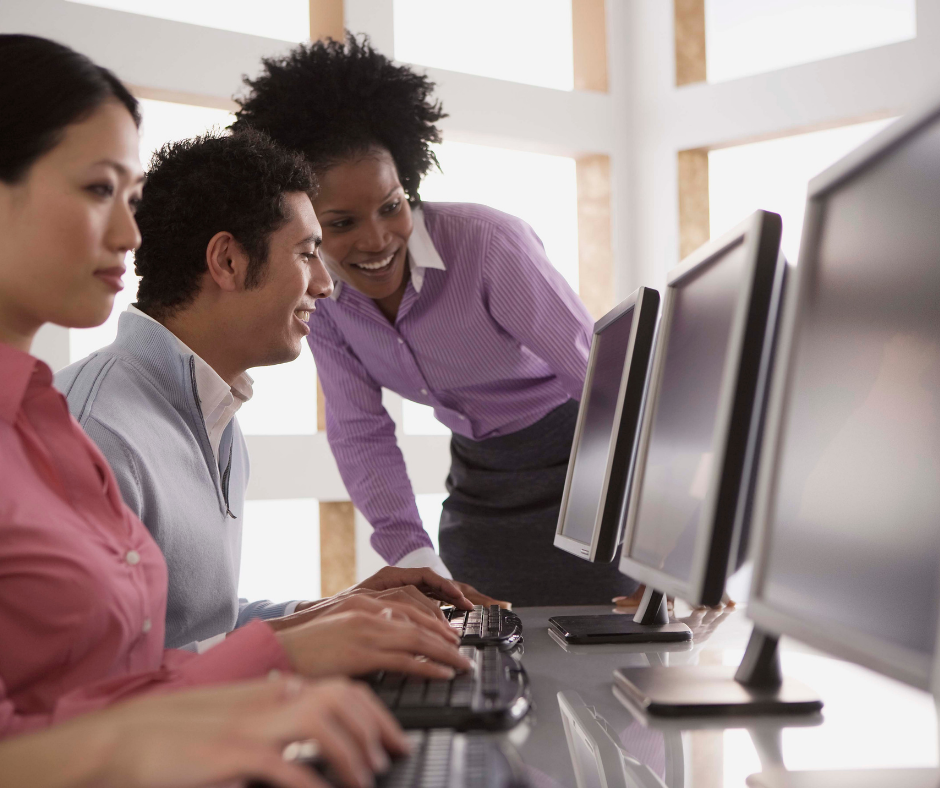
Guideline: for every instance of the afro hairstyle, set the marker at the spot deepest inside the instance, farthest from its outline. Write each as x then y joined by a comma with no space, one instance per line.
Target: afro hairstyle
199,187
332,100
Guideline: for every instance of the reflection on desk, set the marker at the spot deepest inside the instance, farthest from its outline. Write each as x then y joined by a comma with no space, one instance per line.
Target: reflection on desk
869,721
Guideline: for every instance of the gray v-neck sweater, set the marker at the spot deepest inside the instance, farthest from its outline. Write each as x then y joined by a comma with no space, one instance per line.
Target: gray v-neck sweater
138,401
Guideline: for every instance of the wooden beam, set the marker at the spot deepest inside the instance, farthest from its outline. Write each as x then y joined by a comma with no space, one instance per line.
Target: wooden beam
595,251
689,41
589,33
337,546
693,200
326,19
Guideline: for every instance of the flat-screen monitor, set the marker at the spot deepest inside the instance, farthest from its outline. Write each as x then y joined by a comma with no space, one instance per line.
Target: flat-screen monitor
701,424
848,509
603,451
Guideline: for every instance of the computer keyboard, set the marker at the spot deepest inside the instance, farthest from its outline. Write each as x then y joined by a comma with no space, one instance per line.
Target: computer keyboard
494,695
445,759
486,625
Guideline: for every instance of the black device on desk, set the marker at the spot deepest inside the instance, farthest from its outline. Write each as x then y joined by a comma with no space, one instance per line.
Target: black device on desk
443,758
601,466
485,626
846,555
692,502
493,696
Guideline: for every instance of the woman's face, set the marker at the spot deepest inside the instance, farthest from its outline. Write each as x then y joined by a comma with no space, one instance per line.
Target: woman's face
366,223
67,225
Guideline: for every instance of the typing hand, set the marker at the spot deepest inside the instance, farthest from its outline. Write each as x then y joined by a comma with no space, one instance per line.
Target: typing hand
478,598
356,643
406,603
213,735
424,579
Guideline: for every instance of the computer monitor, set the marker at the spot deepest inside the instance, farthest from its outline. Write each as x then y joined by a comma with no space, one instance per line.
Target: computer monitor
603,451
847,552
690,506
701,426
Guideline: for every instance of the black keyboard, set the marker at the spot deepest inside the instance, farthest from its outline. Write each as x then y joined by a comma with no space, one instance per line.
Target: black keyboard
446,759
486,625
494,696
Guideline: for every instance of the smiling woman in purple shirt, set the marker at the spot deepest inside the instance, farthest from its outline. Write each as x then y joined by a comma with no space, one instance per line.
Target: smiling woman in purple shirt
451,305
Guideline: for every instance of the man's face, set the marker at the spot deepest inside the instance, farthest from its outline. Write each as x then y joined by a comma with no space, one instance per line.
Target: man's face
273,316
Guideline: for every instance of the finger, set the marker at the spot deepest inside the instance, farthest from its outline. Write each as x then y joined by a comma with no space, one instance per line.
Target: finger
392,736
351,713
432,606
403,662
255,762
408,597
400,637
341,750
432,584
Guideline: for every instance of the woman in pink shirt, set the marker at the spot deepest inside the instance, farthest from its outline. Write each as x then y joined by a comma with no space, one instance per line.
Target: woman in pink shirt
82,584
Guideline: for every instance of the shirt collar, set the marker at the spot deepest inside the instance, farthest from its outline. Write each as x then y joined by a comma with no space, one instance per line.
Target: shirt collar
422,254
212,388
18,369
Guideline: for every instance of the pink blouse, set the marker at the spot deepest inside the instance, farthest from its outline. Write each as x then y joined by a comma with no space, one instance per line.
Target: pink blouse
82,584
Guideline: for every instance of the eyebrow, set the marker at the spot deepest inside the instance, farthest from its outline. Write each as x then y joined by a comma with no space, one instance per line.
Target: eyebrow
314,239
122,170
342,210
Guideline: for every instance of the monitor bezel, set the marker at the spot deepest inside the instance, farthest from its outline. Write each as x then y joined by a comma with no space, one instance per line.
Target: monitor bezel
760,236
607,530
843,642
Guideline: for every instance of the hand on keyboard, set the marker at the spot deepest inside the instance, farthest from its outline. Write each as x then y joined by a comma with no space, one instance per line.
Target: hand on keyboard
425,580
356,643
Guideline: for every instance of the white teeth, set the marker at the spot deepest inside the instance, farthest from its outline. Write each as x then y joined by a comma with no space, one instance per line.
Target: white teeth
303,315
379,264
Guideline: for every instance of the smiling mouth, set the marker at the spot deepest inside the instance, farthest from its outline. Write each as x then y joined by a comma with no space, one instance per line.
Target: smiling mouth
303,314
378,265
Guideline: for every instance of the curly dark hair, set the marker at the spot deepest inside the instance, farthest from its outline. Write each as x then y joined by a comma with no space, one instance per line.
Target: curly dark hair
332,100
199,187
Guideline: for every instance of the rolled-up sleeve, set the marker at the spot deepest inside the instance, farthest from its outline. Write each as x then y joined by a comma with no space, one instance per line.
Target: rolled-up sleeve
362,438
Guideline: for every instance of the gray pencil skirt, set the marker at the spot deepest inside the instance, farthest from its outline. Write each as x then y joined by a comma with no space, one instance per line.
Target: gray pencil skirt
498,523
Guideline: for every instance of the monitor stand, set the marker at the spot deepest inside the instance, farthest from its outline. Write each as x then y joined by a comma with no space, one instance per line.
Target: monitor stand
756,687
651,624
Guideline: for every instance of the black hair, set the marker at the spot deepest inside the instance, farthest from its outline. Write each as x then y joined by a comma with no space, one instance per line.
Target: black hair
45,87
333,100
199,187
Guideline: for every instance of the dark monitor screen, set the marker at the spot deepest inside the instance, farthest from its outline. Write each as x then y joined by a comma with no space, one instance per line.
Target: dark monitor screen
678,466
598,429
853,540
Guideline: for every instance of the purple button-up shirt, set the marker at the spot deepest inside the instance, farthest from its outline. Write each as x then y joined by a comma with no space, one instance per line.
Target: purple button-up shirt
493,338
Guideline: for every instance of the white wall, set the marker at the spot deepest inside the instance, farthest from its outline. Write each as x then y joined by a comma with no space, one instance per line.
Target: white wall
663,119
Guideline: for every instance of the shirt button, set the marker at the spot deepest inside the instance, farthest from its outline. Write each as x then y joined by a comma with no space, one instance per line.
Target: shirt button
147,626
401,341
132,557
424,391
461,417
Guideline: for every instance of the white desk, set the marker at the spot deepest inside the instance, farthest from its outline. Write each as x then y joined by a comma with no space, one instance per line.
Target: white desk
868,721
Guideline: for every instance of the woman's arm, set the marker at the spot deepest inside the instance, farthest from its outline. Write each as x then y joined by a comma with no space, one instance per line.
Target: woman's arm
206,736
531,300
362,438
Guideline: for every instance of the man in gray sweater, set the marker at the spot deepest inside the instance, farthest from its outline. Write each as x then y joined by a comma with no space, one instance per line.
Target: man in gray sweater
230,273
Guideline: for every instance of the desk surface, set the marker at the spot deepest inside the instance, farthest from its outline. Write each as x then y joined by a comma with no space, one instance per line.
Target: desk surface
868,721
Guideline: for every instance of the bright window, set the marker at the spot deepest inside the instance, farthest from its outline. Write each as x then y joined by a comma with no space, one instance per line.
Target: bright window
280,550
429,507
517,40
418,419
536,187
288,20
744,37
773,175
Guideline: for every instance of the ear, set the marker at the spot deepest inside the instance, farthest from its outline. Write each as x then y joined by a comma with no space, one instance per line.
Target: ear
227,262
